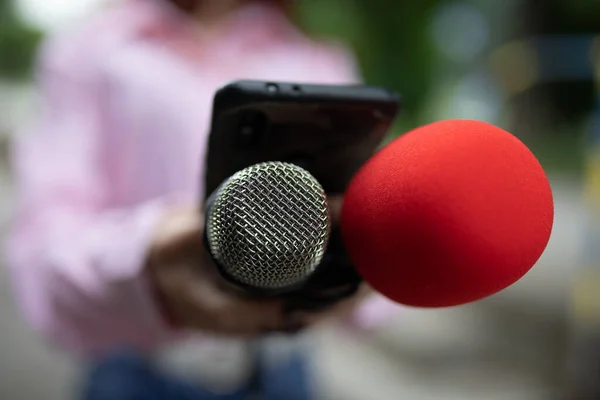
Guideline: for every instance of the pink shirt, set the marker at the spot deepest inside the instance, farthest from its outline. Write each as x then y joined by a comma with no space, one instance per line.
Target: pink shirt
121,135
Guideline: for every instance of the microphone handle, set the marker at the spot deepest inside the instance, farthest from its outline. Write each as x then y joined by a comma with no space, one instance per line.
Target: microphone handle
336,279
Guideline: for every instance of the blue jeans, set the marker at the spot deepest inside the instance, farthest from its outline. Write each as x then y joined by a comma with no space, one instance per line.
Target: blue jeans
127,376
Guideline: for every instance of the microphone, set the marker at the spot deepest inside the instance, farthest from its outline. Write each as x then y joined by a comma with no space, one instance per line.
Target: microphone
268,227
447,214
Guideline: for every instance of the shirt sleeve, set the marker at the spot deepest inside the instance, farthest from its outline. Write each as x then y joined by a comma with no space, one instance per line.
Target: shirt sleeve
76,261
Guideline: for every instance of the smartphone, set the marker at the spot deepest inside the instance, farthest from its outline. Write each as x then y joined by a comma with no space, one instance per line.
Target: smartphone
329,130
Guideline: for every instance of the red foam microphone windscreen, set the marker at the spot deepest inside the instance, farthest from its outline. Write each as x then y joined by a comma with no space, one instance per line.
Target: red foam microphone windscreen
447,214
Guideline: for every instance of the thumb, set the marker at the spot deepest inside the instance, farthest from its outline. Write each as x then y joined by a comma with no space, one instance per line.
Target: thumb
177,232
234,313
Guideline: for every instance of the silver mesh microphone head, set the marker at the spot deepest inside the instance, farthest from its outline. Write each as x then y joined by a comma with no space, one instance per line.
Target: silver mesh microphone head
268,225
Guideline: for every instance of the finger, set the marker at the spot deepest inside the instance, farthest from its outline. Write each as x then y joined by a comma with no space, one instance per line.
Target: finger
340,310
178,232
231,312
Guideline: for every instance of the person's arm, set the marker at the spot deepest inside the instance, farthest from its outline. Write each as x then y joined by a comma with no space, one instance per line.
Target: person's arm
91,276
77,262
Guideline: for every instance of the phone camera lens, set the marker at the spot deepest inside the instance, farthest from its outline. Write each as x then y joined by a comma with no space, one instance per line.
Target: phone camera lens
246,132
252,128
272,88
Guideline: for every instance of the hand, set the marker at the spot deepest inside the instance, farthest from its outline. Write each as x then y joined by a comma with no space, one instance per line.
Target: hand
341,311
192,290
197,297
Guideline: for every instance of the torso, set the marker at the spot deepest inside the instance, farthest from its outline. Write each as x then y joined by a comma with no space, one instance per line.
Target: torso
159,83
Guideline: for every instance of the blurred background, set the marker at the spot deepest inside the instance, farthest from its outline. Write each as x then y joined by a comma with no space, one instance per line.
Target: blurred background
529,66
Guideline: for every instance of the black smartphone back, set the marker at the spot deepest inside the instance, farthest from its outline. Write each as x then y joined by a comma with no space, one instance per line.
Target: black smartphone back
330,130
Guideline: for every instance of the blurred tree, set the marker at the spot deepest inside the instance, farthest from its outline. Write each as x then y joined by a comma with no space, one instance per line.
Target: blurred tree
552,114
569,100
391,39
18,44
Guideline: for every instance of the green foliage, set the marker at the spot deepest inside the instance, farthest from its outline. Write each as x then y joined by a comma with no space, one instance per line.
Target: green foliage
389,37
393,43
18,44
6,9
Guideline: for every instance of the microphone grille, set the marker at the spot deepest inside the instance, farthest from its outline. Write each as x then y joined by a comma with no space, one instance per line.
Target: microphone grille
268,225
